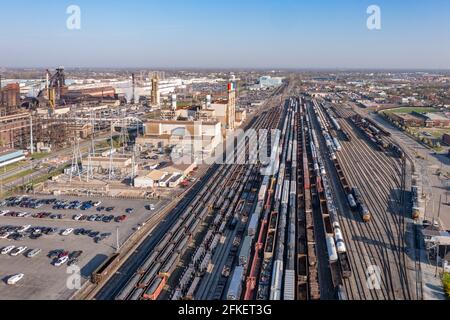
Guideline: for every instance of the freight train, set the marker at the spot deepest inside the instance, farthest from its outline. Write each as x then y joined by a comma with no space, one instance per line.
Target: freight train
362,208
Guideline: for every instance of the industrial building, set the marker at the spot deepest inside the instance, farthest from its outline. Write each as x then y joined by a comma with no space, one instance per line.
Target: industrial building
267,82
168,176
436,120
408,120
121,165
9,156
9,97
149,180
15,130
206,135
416,119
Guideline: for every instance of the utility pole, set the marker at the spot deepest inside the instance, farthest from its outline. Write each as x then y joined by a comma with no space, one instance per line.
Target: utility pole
31,134
117,240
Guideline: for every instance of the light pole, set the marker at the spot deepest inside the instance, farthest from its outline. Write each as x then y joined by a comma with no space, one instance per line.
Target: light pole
117,240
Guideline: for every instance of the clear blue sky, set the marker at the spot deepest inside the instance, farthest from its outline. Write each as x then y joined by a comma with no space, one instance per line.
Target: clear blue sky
225,33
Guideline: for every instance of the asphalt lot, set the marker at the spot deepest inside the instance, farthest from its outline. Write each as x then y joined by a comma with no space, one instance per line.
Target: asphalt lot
43,280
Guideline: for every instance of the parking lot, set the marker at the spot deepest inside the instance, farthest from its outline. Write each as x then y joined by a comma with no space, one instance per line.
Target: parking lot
43,280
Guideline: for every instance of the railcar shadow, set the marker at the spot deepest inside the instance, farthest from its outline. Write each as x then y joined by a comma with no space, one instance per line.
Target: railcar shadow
92,265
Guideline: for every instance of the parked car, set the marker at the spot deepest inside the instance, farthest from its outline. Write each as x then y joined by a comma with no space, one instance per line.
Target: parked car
33,253
18,251
7,249
61,261
67,232
77,217
15,279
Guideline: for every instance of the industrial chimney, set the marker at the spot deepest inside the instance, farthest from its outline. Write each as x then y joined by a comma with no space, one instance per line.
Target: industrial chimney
208,101
174,102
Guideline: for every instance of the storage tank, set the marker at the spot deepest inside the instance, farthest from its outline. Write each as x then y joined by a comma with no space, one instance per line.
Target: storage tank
340,242
332,252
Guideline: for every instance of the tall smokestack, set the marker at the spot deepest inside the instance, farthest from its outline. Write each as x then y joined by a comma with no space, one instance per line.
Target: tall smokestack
174,102
208,101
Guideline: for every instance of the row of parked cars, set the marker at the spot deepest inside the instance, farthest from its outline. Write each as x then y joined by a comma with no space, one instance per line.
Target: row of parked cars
27,202
40,215
18,233
15,251
97,217
61,256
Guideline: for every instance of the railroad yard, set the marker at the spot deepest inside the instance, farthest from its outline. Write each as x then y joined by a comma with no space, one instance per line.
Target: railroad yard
328,216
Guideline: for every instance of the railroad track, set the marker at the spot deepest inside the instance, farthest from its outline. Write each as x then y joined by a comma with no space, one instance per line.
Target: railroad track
393,258
151,277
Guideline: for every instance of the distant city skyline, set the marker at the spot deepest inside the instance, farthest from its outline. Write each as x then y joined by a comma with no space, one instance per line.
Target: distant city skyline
251,34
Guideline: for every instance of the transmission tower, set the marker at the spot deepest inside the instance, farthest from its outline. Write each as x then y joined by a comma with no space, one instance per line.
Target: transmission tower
124,139
90,171
76,159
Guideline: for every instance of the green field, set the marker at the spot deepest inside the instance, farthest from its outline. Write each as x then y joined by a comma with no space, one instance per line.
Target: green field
18,176
411,109
39,156
12,166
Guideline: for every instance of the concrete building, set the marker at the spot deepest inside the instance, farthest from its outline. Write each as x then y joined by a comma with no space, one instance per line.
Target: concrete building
436,120
205,135
241,116
149,180
120,164
14,130
81,130
179,169
9,156
267,82
408,120
225,109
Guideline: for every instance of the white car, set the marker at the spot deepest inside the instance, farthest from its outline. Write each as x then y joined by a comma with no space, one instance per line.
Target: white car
4,213
152,207
67,232
15,278
61,261
22,214
24,228
96,204
8,249
77,217
18,251
33,253
5,235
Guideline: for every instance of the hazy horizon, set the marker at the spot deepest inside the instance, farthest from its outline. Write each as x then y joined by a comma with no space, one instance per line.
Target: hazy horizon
201,34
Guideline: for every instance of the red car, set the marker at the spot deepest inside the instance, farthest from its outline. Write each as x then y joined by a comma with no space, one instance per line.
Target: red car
63,254
121,218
